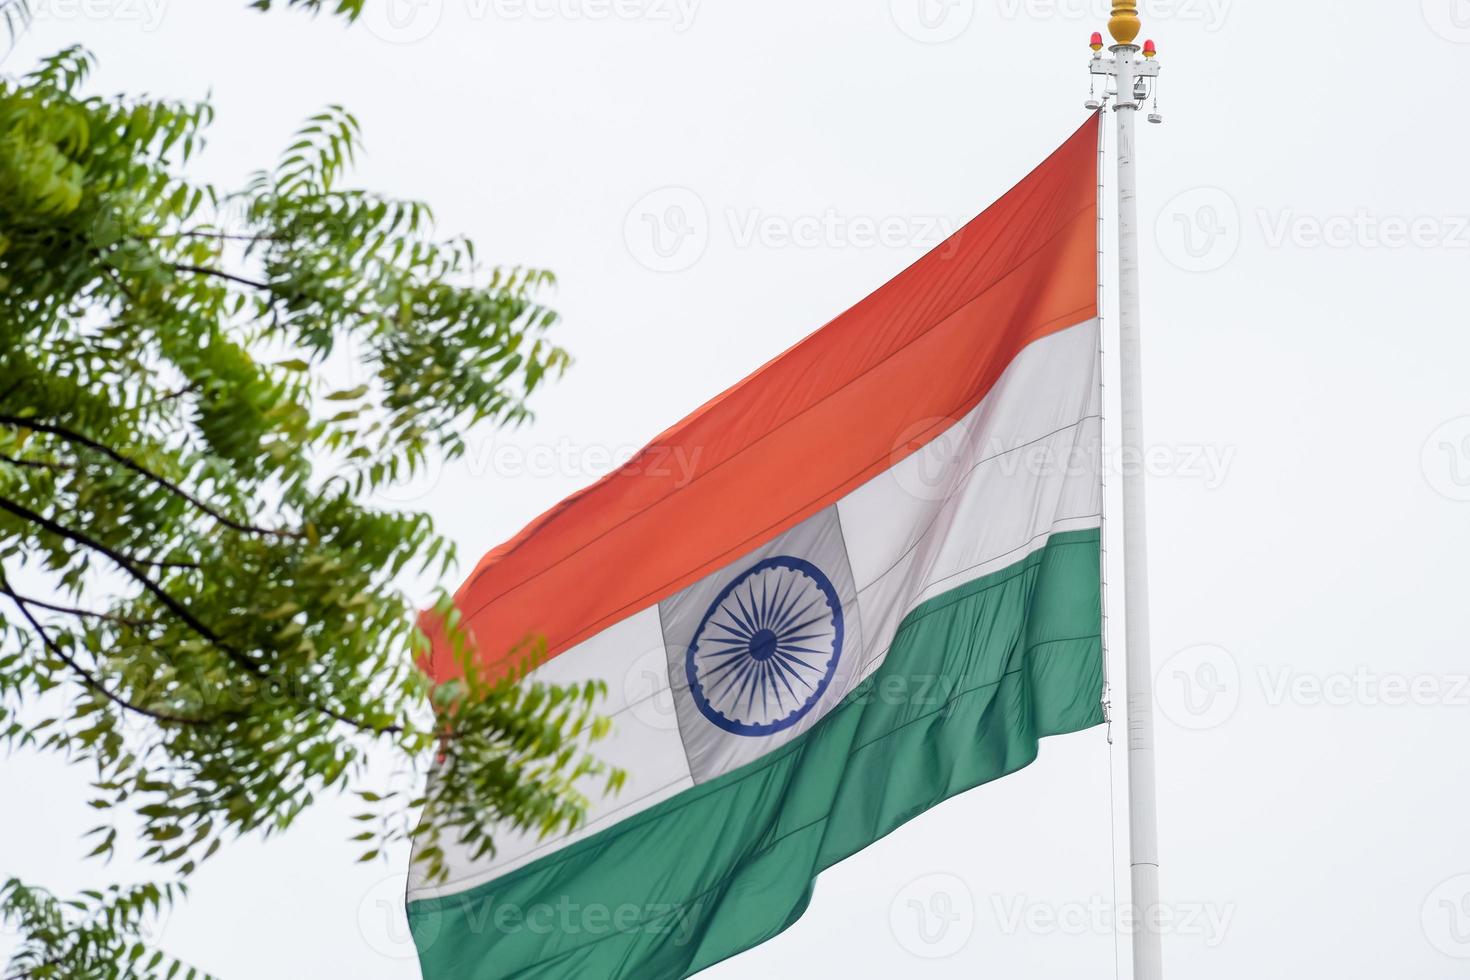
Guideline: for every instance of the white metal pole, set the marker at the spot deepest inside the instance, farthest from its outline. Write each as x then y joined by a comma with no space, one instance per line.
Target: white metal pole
1142,807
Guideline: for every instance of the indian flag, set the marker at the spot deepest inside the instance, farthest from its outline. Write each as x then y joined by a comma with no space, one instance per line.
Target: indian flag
876,587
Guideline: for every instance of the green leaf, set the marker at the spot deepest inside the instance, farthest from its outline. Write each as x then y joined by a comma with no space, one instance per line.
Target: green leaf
205,388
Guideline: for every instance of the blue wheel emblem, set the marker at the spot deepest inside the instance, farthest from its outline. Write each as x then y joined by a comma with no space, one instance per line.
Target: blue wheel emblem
767,648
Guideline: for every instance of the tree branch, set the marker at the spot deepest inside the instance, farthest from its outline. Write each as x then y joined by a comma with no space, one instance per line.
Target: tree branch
221,274
130,568
180,610
170,396
155,563
31,463
72,436
88,678
223,236
87,613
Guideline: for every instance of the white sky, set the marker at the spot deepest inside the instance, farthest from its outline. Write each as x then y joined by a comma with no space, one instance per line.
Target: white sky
1310,501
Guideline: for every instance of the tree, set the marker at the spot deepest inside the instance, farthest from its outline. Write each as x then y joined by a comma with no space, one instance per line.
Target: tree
200,599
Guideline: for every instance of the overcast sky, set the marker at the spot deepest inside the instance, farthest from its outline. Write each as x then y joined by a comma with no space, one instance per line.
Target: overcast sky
1306,260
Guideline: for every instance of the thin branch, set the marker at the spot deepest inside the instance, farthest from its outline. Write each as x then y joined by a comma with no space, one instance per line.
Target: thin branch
32,463
155,563
170,396
221,274
71,435
87,613
128,566
87,676
180,610
277,296
223,236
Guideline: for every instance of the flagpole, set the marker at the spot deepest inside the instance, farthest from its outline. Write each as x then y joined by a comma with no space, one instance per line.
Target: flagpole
1133,78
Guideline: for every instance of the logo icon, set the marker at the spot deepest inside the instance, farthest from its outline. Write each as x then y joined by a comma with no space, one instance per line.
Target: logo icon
767,648
1198,688
932,21
667,230
383,922
1450,19
1446,917
1199,230
1446,459
403,21
647,693
933,917
928,466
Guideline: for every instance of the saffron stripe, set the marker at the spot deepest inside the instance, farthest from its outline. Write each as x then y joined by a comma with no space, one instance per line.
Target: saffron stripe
807,428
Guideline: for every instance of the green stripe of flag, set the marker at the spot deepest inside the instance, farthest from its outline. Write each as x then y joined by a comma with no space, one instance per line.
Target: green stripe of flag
974,679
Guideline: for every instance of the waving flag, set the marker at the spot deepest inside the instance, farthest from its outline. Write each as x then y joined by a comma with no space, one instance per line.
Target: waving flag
876,587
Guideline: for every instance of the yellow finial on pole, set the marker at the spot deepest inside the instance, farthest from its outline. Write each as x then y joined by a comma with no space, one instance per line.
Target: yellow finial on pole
1124,24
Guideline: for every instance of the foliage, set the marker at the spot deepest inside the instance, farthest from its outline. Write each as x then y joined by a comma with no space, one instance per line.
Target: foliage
350,9
91,936
200,599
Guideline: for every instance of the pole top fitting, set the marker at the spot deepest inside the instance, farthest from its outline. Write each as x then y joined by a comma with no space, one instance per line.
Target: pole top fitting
1124,24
